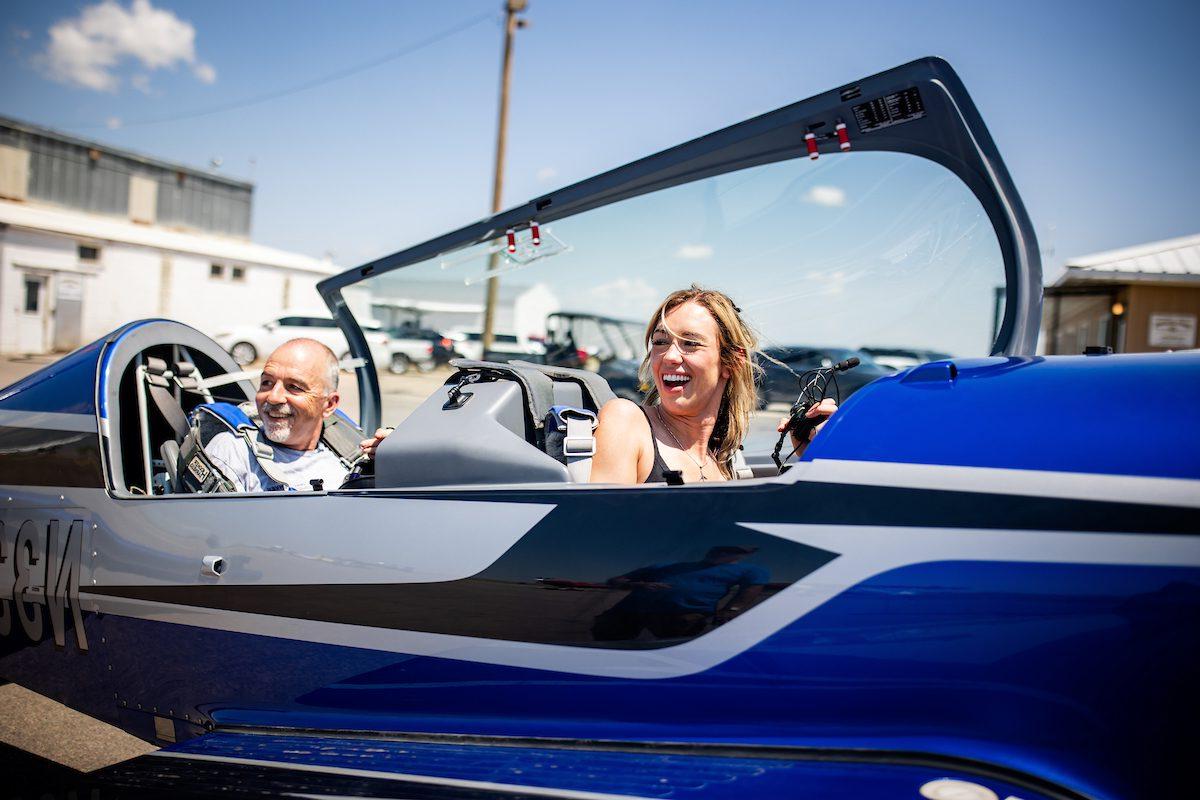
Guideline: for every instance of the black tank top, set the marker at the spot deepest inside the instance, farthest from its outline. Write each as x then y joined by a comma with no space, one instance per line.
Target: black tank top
660,466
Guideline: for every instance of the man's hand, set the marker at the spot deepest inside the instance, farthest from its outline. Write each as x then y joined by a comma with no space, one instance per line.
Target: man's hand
825,408
369,446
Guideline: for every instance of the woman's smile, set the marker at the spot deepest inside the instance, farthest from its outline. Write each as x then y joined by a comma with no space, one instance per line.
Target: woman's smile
675,382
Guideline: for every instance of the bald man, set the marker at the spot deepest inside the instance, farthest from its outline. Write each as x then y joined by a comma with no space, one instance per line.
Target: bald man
297,391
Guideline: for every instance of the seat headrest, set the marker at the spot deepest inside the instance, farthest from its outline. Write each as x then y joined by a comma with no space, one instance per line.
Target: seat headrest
156,366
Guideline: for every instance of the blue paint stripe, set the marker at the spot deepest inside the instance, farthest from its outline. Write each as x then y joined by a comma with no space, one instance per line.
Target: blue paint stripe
711,777
1114,415
68,386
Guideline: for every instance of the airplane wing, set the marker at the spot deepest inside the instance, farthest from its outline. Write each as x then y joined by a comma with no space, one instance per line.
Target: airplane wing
241,763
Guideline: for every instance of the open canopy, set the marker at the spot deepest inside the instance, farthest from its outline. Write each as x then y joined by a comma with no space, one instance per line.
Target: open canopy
903,231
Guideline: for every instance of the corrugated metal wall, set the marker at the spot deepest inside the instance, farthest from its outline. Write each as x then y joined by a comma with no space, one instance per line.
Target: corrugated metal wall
196,202
64,173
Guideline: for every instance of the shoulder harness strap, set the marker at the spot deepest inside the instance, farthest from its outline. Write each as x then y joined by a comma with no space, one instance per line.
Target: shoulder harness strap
571,438
196,471
342,436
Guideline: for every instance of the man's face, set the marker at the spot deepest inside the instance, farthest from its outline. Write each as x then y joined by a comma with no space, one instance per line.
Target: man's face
293,398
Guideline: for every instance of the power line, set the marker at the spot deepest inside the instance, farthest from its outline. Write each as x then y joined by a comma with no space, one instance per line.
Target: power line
334,76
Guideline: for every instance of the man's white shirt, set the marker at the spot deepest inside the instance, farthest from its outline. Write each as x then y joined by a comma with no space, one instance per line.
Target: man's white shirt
298,467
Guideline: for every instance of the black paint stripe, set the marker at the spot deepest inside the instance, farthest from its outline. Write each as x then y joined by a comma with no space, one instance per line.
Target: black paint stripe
40,457
854,504
472,607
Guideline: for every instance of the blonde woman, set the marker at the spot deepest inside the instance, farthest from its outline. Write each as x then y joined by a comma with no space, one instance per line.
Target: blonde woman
699,365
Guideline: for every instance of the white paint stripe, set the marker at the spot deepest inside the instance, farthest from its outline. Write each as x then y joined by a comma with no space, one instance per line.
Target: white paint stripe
46,420
865,552
990,480
387,540
571,794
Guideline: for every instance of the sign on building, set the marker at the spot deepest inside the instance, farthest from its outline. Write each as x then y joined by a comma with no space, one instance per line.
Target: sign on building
1177,331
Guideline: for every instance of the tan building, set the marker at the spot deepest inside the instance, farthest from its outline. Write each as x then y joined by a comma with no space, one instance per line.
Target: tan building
1141,299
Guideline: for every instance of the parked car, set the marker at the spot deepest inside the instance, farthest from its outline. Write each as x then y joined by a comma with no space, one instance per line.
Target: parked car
405,353
250,342
505,346
898,358
424,348
781,385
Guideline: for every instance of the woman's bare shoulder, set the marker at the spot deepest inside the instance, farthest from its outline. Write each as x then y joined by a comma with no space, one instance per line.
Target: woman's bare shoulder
621,439
621,411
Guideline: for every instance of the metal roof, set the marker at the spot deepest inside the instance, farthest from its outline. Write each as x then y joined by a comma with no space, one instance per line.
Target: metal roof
51,133
1166,261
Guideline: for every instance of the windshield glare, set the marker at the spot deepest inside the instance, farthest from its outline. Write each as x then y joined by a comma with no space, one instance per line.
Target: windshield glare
865,249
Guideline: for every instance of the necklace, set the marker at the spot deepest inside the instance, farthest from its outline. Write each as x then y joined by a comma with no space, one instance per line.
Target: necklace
686,452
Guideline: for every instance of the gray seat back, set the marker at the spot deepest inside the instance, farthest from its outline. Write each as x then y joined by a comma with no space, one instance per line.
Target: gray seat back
487,439
594,390
487,425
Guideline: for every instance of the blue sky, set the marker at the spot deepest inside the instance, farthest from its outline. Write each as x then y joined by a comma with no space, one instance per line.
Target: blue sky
1091,103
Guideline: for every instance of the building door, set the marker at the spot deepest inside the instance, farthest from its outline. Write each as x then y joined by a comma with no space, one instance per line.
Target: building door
68,311
32,314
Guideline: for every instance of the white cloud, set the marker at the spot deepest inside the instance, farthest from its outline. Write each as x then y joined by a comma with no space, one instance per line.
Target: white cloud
826,283
141,82
205,73
694,252
546,173
625,297
84,50
830,196
112,123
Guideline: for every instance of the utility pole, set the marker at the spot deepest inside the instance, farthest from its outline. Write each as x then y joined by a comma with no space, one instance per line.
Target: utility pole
511,22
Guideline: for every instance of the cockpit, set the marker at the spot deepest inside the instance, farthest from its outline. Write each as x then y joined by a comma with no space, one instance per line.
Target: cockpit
831,228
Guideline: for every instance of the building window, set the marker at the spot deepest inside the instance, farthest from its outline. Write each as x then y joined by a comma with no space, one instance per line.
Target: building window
216,271
33,289
237,273
89,253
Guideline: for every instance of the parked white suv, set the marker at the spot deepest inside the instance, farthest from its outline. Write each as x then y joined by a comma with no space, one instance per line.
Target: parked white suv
251,342
407,352
505,346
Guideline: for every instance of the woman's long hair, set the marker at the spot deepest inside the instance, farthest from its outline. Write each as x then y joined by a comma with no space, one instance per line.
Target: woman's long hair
738,344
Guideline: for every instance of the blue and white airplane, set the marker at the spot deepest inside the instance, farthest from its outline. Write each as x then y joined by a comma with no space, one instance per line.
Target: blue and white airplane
982,580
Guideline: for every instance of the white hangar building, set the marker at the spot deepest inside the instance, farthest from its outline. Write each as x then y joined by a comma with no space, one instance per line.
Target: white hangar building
92,237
